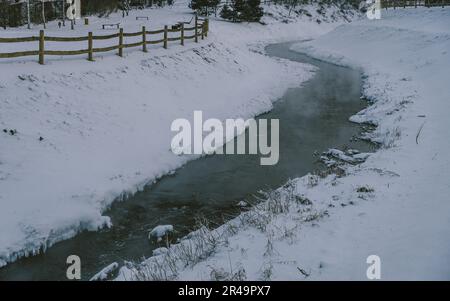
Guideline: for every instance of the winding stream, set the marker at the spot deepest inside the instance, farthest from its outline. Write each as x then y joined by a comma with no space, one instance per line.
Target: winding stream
313,117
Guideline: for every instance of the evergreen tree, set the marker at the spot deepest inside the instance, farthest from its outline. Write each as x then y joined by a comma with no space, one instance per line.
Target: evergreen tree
252,11
228,14
198,5
4,13
213,4
243,10
239,7
204,7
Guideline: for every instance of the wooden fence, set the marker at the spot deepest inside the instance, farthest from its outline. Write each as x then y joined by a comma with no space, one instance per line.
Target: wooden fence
200,29
413,3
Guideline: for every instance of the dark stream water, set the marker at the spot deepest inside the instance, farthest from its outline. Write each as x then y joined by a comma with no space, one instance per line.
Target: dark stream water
312,118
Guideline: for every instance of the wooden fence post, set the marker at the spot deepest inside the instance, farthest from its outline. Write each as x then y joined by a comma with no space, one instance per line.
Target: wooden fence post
182,34
203,30
196,29
165,36
206,27
90,47
144,39
41,47
121,42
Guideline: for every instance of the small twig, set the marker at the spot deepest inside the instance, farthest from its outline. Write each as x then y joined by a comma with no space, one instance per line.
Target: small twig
304,273
418,133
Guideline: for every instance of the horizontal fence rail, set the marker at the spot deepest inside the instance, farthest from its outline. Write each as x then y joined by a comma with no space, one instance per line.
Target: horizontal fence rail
200,30
413,3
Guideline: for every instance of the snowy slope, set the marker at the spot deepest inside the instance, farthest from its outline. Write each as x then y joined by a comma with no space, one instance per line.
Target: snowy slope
89,133
406,58
394,205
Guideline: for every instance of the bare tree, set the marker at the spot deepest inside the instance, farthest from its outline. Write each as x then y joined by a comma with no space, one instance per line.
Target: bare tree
43,13
28,15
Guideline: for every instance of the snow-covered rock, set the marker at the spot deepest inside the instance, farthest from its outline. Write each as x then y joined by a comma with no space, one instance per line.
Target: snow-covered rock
106,272
159,232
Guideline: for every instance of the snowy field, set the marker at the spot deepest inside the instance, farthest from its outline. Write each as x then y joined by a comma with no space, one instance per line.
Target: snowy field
78,135
394,205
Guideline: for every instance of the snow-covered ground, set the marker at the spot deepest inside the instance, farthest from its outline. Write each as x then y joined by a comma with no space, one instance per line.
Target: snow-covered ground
79,135
395,205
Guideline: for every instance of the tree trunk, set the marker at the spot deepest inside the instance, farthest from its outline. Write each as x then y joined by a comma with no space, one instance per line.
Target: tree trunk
43,14
28,15
64,12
